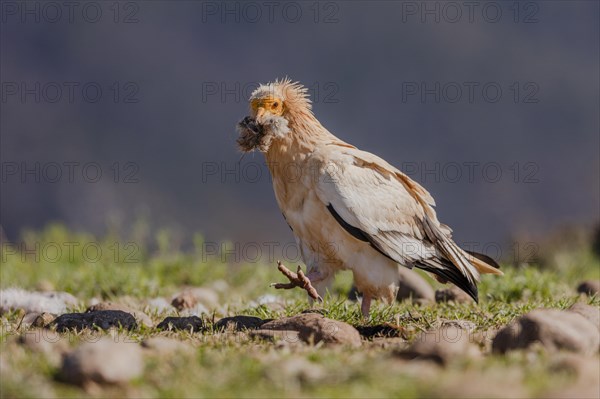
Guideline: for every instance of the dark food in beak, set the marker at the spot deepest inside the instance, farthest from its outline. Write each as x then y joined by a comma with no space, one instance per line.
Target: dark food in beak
251,134
250,123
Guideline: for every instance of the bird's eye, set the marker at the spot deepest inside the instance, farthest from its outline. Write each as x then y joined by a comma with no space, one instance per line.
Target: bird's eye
275,105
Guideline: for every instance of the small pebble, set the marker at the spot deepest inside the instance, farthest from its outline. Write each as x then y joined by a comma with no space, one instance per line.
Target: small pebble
441,345
314,328
552,328
103,362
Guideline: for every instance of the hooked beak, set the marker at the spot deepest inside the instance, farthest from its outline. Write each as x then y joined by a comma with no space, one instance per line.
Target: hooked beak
260,112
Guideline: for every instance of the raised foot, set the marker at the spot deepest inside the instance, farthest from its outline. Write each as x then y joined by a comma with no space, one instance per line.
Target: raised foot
297,279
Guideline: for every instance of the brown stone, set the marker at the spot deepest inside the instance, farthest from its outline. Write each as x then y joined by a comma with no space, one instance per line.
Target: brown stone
592,313
191,297
440,345
185,300
553,329
103,362
314,328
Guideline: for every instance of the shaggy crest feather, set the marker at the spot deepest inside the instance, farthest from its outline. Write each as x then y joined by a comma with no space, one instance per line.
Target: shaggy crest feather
294,94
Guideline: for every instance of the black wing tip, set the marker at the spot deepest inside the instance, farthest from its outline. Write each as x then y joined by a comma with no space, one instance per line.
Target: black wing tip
470,288
451,274
475,294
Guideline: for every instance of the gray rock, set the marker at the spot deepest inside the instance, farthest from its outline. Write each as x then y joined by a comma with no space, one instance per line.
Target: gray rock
140,316
159,305
592,313
240,323
191,297
103,362
102,319
182,323
314,328
413,286
441,345
589,287
33,301
553,329
184,300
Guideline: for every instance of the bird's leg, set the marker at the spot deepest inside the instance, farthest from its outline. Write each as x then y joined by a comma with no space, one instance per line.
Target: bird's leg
296,280
365,305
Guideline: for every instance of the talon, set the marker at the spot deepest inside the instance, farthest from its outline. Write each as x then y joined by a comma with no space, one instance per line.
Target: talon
296,280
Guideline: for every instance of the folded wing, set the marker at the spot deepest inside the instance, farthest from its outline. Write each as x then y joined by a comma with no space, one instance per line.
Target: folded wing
377,203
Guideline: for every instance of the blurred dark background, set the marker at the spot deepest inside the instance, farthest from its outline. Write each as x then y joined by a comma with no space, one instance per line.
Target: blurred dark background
118,111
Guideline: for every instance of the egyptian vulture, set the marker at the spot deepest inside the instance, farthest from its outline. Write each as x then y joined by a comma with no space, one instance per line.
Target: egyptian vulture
349,209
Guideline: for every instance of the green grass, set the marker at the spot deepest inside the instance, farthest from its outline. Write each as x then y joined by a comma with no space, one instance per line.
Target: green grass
226,364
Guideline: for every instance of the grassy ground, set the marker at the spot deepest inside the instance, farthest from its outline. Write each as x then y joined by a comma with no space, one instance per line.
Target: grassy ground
226,364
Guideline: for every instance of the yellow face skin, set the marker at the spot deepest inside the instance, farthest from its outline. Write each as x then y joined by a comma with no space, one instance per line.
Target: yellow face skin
272,105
